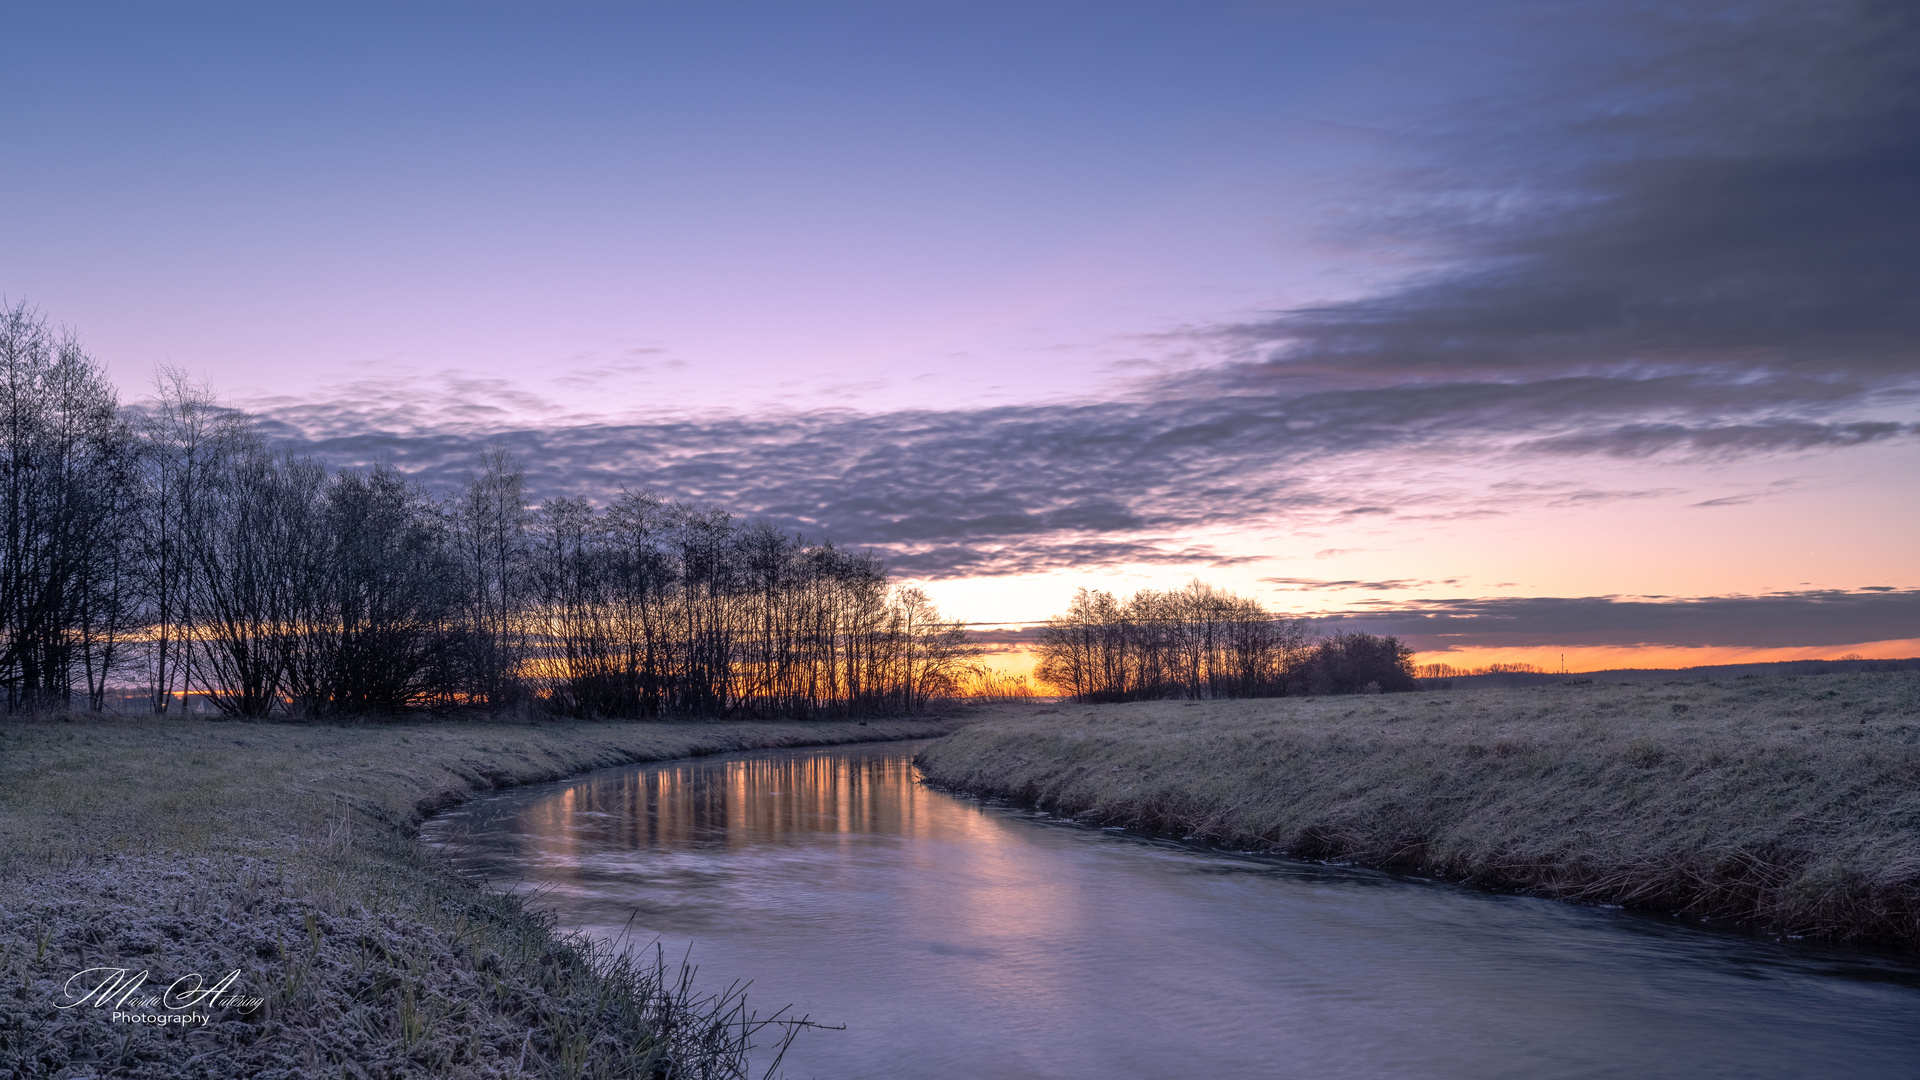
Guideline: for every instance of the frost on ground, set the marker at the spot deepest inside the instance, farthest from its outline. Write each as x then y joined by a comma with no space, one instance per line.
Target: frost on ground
313,973
285,853
323,988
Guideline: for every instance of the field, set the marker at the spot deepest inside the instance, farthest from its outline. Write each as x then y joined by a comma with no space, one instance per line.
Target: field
1789,804
286,852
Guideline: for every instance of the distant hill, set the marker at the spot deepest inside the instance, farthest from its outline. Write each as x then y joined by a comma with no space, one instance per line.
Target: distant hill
1710,671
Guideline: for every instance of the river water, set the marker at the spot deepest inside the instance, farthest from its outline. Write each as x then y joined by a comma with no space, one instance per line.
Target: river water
962,940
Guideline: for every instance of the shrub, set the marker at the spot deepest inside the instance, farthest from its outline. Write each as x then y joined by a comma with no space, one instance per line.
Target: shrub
1355,663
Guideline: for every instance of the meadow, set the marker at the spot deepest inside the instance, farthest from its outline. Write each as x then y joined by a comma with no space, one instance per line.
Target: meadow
287,852
1787,804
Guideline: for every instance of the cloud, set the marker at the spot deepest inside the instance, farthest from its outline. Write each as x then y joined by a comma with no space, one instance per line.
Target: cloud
999,637
1809,619
967,491
1729,440
1722,192
1015,489
1692,240
1298,584
1596,496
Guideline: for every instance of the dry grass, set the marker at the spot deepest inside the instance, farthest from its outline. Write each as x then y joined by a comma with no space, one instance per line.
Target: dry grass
1791,802
287,852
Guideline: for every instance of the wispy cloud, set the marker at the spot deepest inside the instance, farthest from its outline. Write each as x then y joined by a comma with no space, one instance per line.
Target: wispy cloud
1299,584
1723,441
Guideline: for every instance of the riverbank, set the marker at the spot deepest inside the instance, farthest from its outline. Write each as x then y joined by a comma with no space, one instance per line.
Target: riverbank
286,853
1789,803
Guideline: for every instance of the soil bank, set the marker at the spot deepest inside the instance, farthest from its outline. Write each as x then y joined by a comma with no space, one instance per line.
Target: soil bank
1792,804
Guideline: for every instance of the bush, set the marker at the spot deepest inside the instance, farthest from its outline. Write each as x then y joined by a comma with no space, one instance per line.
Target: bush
1356,663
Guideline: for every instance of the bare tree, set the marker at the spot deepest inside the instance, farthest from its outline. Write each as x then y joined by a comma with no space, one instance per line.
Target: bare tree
489,521
1195,642
374,594
255,561
255,578
574,657
187,439
65,498
653,608
1356,663
933,653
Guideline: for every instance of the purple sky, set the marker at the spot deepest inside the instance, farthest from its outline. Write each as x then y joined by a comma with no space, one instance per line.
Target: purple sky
1353,305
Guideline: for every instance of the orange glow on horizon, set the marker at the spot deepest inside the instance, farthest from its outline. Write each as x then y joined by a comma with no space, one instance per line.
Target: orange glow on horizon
1611,657
1584,657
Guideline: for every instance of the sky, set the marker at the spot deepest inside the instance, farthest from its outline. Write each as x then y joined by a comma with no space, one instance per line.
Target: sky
1578,333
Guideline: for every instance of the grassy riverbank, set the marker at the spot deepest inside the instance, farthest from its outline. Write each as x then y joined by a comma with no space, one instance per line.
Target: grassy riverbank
1794,803
287,852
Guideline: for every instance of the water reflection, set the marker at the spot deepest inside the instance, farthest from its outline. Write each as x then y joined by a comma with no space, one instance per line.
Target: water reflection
961,940
736,803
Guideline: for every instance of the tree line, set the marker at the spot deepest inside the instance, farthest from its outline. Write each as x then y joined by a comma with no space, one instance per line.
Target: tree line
1448,671
1205,642
174,549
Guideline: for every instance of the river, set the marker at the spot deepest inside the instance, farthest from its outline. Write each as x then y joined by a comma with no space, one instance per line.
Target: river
956,939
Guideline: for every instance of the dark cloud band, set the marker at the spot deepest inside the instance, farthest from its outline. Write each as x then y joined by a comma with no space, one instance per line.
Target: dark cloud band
1727,190
1014,489
1782,620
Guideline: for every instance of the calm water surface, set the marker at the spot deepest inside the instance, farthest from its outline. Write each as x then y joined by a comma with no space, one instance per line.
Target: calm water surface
961,940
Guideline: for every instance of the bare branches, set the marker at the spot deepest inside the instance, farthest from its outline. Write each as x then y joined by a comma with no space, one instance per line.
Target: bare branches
660,609
1204,642
1198,641
65,489
187,440
184,553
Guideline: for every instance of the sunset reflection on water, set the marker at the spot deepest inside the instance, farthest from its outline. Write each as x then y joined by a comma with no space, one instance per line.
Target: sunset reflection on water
738,804
958,939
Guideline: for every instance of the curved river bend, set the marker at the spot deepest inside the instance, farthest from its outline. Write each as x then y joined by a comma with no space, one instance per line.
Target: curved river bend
957,940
